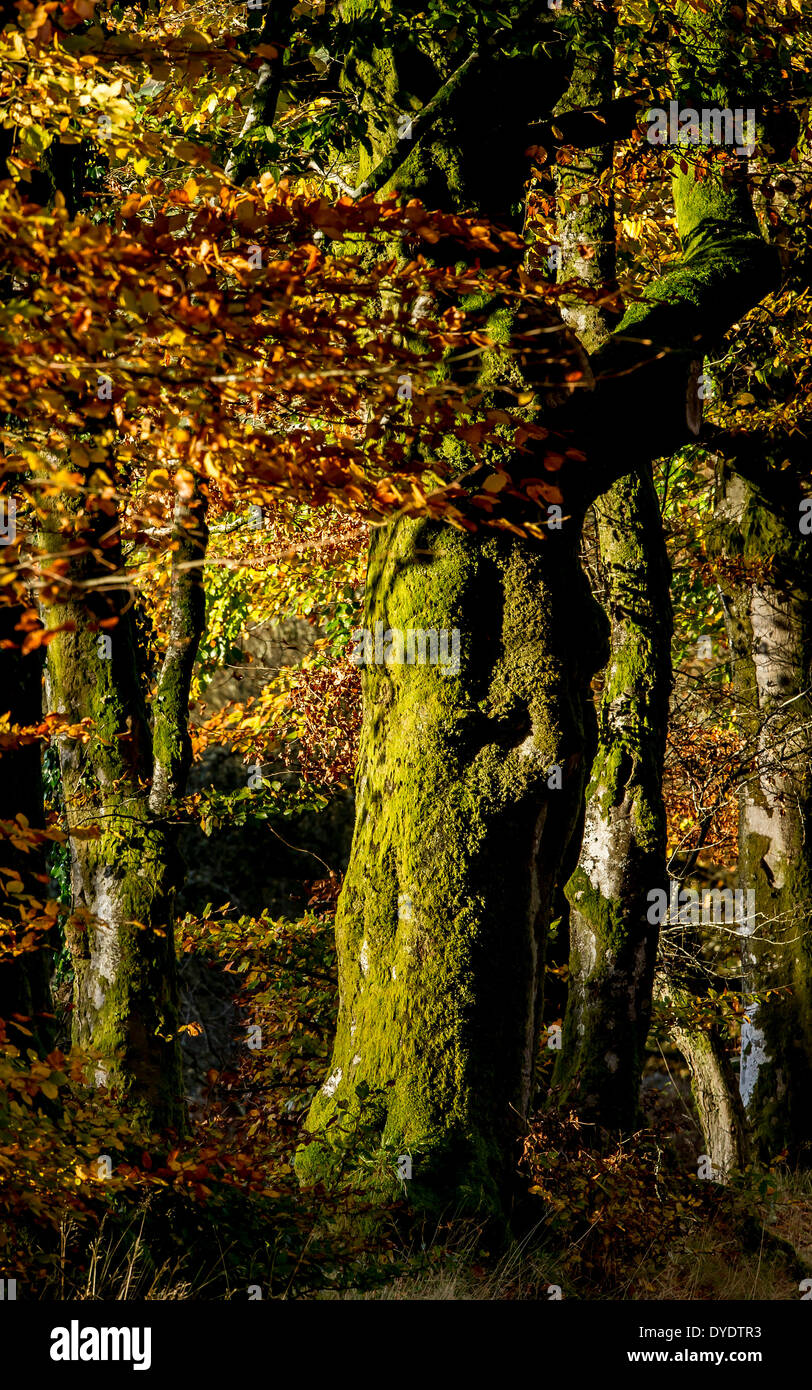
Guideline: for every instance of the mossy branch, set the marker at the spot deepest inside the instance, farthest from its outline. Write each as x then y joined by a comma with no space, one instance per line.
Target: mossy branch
646,374
424,119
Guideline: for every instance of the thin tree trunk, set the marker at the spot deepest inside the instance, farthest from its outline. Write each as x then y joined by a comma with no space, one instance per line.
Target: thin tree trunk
246,159
613,941
171,741
713,1083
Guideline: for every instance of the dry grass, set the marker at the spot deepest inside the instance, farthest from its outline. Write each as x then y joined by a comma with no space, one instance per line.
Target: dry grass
454,1268
118,1269
709,1265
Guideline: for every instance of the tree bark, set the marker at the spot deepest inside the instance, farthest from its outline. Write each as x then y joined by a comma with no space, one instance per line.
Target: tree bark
613,944
613,941
171,741
458,842
765,579
275,29
468,783
118,788
713,1084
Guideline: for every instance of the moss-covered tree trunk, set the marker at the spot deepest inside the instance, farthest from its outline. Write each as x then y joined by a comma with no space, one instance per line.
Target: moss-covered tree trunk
118,784
612,943
470,779
766,577
469,783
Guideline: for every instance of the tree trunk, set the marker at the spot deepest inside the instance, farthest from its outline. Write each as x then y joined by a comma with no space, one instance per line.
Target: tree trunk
765,578
468,782
713,1083
468,786
613,939
124,861
273,29
613,942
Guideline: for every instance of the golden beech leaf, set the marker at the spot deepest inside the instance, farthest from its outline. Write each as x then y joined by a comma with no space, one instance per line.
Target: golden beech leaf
38,638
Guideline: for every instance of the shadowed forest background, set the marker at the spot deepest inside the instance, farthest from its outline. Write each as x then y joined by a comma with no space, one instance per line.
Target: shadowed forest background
335,961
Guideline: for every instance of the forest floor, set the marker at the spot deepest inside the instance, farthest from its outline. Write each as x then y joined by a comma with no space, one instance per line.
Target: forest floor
219,1214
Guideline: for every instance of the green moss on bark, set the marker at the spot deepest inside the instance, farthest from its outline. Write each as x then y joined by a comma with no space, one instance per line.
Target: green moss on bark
443,915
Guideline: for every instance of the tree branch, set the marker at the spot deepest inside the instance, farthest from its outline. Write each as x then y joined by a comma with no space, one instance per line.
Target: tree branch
424,119
276,29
